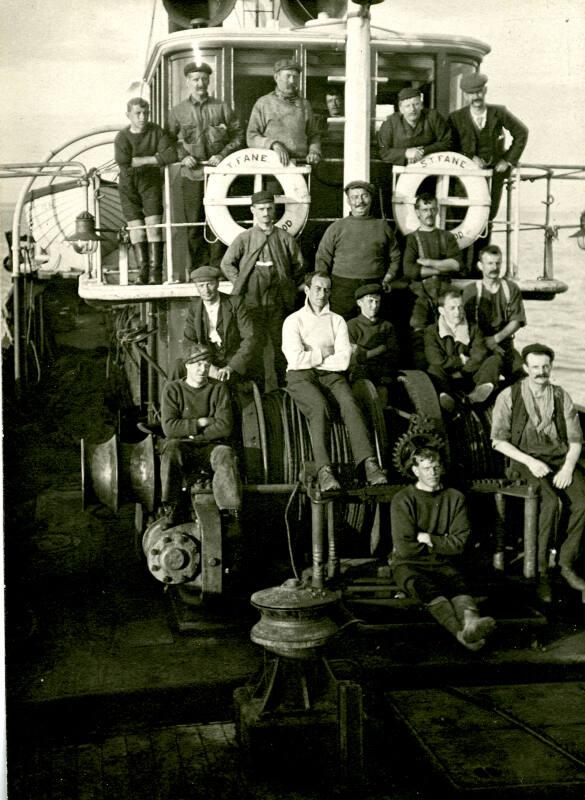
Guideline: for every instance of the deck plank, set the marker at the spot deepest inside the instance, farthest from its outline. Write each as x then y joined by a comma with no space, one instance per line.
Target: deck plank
167,763
64,773
89,773
116,781
142,774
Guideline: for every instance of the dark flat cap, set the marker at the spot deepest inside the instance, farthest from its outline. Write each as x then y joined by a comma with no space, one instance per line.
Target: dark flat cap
368,288
193,66
473,82
198,352
202,274
538,349
262,197
369,187
286,63
406,93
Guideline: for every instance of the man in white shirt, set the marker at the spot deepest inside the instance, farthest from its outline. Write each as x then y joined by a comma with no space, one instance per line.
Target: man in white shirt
316,344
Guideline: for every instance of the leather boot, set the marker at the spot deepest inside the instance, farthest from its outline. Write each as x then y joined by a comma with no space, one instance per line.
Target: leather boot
444,612
226,483
155,250
474,628
141,256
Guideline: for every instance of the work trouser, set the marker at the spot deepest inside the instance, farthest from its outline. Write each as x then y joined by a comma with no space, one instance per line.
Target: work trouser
267,322
487,372
574,498
200,251
313,390
182,461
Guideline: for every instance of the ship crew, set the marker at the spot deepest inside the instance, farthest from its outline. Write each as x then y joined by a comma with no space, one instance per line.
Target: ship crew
197,420
431,258
458,359
207,130
536,426
283,121
265,266
223,324
316,344
412,132
140,150
495,304
375,353
357,250
478,133
430,528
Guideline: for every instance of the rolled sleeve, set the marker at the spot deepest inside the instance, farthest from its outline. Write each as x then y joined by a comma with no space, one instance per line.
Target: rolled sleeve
502,417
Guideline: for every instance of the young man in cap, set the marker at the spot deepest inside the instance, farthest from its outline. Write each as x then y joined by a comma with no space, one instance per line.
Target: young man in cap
223,324
207,131
431,258
536,426
141,150
430,529
357,249
197,420
283,121
458,359
316,344
375,353
265,266
478,133
412,132
496,305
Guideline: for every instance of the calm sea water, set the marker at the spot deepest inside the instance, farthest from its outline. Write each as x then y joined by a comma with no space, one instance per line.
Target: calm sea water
559,323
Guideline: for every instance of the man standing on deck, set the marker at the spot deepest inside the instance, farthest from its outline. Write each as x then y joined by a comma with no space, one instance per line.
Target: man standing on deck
265,266
316,344
412,132
357,250
536,426
207,130
495,304
283,121
478,133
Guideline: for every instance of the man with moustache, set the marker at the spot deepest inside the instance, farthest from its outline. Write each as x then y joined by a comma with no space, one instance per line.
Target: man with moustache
283,121
412,132
535,425
478,133
357,250
207,130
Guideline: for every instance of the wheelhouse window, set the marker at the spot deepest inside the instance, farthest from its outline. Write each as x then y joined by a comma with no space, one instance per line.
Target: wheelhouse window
457,69
254,76
178,87
396,71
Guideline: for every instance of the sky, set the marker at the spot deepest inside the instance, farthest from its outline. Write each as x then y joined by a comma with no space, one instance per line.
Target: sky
67,67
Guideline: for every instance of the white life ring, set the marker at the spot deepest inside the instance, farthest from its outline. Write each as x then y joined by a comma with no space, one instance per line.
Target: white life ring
451,165
254,161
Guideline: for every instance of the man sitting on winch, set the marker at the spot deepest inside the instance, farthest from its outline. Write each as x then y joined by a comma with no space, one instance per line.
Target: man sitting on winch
536,426
197,420
316,344
141,150
375,352
430,529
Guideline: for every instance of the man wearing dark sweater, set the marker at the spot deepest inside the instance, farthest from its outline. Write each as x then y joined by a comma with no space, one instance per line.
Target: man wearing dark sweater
356,250
140,150
430,528
197,419
375,353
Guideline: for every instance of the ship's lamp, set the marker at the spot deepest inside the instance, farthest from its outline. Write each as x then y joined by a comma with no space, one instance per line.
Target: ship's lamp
86,237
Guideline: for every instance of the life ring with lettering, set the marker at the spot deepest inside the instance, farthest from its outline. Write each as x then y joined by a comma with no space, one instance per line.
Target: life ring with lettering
255,161
453,165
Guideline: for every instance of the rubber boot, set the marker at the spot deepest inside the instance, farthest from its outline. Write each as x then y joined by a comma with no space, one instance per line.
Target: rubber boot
442,610
474,628
141,256
226,483
155,250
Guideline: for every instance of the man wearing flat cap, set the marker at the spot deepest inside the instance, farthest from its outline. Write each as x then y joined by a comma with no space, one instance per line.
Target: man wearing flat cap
283,121
413,131
207,130
223,324
535,425
375,353
478,133
357,249
197,420
265,266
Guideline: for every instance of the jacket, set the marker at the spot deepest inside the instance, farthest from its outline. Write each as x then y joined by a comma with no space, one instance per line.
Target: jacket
498,118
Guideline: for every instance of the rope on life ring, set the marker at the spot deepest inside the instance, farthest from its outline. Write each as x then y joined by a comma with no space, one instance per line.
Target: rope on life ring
446,165
257,162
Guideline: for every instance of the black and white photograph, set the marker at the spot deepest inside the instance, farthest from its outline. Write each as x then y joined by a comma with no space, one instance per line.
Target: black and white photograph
293,400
